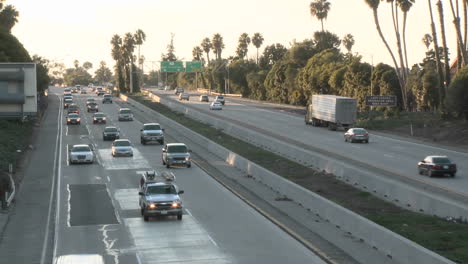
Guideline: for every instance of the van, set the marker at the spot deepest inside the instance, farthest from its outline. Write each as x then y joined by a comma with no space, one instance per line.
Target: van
80,259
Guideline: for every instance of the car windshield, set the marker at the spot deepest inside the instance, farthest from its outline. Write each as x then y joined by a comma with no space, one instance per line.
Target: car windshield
68,100
90,100
73,115
92,104
110,129
81,149
441,160
360,131
99,115
125,111
165,189
177,149
152,127
107,96
220,97
122,143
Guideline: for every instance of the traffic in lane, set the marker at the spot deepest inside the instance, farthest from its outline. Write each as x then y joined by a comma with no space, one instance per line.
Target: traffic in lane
99,210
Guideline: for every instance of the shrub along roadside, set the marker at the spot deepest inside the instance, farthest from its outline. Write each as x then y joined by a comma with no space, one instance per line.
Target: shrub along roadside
449,239
14,135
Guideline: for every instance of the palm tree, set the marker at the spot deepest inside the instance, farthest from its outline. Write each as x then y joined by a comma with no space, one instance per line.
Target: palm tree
76,63
206,46
348,42
460,44
217,45
245,39
405,6
427,40
436,51
8,17
319,9
197,53
257,41
440,10
117,55
374,5
128,49
140,37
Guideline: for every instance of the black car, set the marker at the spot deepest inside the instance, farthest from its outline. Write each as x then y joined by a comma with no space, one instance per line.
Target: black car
99,117
92,107
437,165
110,133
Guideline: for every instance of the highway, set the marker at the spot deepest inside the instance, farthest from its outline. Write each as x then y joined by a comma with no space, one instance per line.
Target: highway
97,208
397,156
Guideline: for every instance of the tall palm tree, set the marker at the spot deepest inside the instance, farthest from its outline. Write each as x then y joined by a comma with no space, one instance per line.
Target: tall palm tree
206,46
217,45
117,55
128,49
197,53
436,51
319,9
446,80
460,44
245,39
257,41
8,17
405,6
348,42
139,38
374,5
427,40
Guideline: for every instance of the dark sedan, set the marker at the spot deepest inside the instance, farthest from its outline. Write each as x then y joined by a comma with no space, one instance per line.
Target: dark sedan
99,117
356,134
110,133
437,165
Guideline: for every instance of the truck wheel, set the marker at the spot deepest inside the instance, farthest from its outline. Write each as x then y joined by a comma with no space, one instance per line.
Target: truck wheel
161,142
167,165
452,174
146,218
189,165
143,142
345,139
179,217
430,174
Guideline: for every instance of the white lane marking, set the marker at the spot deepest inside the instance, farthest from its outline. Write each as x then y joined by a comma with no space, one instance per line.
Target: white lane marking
68,158
68,205
59,182
138,258
388,155
57,156
108,178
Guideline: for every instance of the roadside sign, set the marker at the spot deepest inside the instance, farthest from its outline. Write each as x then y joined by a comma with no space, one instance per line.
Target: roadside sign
172,66
381,100
193,66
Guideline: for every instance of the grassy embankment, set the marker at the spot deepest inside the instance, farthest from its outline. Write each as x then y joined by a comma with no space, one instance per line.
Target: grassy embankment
447,238
14,135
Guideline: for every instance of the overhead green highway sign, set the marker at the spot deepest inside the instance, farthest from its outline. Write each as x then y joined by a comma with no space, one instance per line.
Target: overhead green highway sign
172,66
193,66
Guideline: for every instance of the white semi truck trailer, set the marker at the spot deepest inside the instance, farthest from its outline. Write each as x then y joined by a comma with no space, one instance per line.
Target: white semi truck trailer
331,111
18,90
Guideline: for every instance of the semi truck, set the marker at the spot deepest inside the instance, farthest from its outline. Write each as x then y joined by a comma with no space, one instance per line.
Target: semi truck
331,111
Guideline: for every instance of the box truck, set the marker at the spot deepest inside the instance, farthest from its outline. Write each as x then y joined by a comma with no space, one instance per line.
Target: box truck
331,111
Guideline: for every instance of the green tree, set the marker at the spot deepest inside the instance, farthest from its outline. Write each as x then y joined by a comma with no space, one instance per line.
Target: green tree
257,41
87,65
446,75
197,53
272,54
348,42
140,38
243,46
8,17
170,55
255,82
324,40
217,44
206,46
457,97
103,74
319,9
437,55
42,76
427,40
118,56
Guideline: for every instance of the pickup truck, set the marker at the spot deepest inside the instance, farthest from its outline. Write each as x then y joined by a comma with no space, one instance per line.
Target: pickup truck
159,196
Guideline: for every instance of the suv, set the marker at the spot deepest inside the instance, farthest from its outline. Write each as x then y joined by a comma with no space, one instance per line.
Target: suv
100,91
159,196
152,132
204,98
176,154
179,90
184,96
125,114
107,99
220,99
73,108
92,107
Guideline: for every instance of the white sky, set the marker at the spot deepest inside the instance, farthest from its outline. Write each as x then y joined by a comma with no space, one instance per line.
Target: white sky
66,30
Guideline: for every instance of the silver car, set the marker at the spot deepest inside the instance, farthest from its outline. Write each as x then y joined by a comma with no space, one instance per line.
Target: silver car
152,132
125,114
216,106
356,134
81,153
122,147
176,154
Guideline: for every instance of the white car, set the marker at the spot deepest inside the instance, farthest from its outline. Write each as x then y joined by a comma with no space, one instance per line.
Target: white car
81,153
125,114
216,106
122,147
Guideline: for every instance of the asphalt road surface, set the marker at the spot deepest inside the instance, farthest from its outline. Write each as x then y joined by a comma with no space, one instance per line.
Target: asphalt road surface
394,155
97,207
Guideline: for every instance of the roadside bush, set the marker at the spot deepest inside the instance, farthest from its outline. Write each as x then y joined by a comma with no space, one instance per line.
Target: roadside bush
457,95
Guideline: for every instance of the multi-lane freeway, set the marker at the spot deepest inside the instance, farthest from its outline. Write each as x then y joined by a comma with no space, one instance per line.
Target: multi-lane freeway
390,154
96,208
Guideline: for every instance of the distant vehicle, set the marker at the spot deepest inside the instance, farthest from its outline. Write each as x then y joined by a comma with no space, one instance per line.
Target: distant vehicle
176,154
73,118
100,91
67,95
356,134
122,147
74,90
99,117
73,108
92,107
331,111
167,88
151,132
67,102
184,96
81,153
220,99
90,85
216,106
178,90
110,133
437,165
125,114
83,91
107,98
80,259
90,100
159,195
204,98
66,90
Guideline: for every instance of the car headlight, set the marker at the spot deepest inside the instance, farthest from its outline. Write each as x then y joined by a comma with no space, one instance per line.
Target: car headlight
103,118
77,119
68,119
152,206
187,158
94,118
175,204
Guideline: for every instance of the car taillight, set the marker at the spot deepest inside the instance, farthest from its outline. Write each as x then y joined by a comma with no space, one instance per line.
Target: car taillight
367,134
437,167
453,166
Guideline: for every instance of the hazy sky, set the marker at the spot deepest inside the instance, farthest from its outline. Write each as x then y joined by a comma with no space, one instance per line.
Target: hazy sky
65,30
